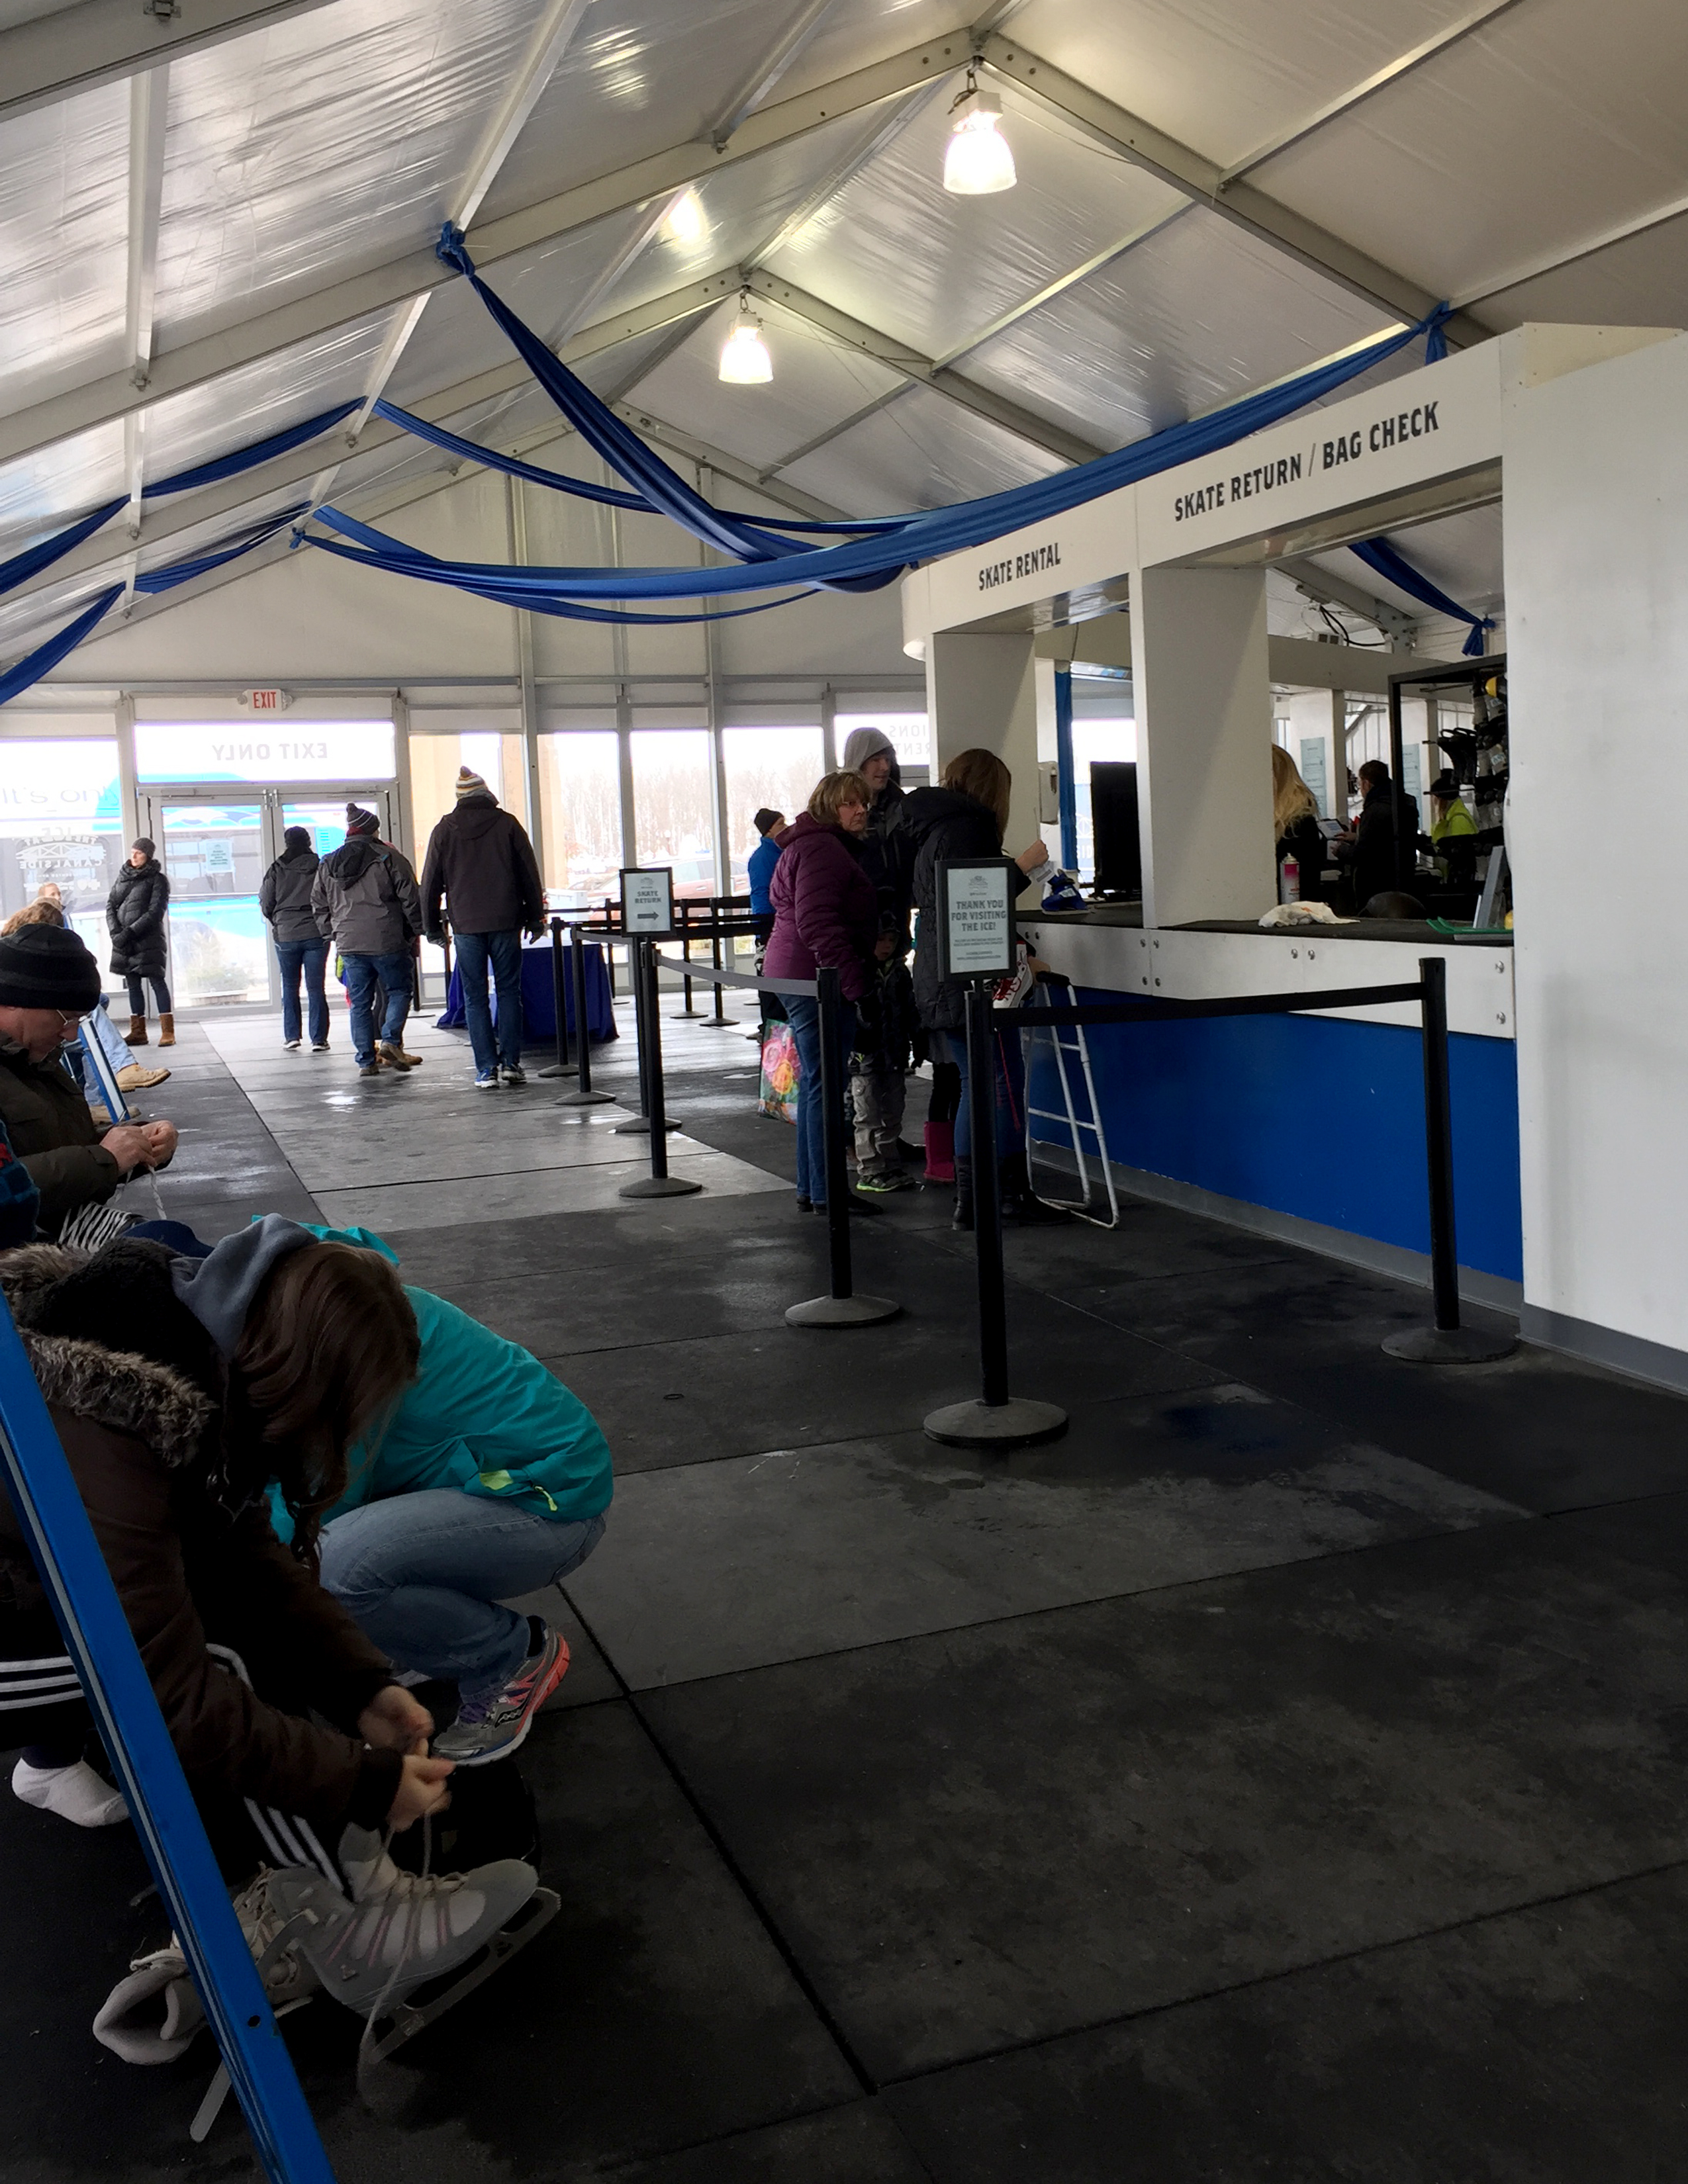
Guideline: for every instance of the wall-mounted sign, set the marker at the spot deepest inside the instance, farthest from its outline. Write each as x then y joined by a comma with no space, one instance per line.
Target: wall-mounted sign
266,701
648,899
976,898
354,752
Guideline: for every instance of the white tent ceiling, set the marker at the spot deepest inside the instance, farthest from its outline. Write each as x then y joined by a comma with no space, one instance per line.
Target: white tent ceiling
1213,194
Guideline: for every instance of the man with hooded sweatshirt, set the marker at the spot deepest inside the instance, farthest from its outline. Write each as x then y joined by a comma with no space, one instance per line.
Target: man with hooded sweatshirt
284,897
364,898
481,862
879,1064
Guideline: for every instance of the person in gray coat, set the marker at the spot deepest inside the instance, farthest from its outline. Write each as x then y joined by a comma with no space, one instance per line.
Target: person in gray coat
364,898
284,896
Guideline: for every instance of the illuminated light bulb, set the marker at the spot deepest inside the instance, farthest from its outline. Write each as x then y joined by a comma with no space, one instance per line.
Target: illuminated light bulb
687,222
744,359
978,161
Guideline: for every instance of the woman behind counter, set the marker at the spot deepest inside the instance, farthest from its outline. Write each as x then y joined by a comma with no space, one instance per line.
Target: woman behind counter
1294,817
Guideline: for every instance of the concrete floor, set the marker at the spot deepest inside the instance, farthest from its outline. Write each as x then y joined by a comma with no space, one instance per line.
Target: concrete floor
1281,1777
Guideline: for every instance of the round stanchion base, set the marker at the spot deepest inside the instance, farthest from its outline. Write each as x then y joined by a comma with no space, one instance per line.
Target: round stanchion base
639,1127
1450,1345
586,1099
1019,1423
558,1069
719,1023
660,1186
841,1311
679,1016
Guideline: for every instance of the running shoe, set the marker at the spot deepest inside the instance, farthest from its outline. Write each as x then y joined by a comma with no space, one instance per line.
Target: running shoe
493,1728
485,1080
513,1075
894,1178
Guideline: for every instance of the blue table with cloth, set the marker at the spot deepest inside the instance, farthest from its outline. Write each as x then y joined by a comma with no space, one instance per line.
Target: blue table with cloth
538,1016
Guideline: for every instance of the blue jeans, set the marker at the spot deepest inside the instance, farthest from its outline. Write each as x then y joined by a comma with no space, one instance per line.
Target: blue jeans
1009,1073
362,972
804,1012
310,957
422,1575
502,951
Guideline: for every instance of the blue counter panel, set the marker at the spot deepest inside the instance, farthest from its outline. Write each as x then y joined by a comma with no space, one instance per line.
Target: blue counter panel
1319,1117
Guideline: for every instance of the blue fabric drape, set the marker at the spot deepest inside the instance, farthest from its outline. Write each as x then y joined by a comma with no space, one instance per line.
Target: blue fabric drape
607,496
42,555
1380,556
47,656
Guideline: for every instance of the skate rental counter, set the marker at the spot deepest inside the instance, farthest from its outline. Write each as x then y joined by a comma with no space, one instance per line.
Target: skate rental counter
1569,1047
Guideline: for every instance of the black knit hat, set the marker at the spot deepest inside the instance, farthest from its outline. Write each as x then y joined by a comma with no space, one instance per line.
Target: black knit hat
766,819
47,966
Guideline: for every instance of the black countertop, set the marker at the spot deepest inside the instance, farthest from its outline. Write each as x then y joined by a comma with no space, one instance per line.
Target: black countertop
1129,915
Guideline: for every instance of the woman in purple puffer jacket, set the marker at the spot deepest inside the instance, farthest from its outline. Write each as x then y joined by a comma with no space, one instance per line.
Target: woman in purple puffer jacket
826,917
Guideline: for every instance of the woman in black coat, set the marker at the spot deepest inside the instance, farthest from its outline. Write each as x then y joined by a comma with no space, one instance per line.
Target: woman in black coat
134,917
965,818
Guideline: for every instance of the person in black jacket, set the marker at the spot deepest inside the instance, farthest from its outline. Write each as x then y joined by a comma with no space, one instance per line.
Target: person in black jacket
965,818
1369,852
481,862
1295,819
284,897
879,1063
135,912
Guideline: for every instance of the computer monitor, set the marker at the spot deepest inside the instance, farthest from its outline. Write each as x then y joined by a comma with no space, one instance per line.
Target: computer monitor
1113,824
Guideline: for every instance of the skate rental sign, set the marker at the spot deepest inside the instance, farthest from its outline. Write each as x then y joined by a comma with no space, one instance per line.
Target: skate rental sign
1432,422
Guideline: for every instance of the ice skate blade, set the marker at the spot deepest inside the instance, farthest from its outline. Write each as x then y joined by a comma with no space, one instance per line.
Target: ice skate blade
405,2019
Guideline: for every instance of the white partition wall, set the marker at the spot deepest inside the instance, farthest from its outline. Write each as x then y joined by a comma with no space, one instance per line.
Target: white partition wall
1204,743
1596,563
983,691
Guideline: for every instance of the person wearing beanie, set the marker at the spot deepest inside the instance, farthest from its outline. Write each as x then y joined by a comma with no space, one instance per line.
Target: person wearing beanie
759,869
135,914
878,1068
363,899
284,897
482,865
48,981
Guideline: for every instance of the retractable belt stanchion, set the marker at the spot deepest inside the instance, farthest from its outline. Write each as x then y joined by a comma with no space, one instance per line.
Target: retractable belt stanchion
561,1067
646,1035
1447,1342
720,1018
659,1183
997,1420
584,1096
686,1009
56,1530
841,1307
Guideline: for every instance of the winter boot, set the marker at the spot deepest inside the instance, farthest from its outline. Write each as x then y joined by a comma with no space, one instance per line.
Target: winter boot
166,1029
136,1033
1020,1202
963,1216
387,1931
135,1076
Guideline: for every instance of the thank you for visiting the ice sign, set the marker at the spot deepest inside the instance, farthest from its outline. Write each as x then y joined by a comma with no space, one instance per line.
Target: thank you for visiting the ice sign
976,899
648,899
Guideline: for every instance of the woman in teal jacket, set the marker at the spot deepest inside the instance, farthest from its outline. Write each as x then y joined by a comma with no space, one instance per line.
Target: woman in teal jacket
488,1480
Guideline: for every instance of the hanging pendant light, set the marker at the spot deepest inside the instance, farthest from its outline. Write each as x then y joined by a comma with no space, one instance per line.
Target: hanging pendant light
978,161
744,359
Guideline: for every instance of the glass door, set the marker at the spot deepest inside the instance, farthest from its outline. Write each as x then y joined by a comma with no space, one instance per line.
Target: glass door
214,855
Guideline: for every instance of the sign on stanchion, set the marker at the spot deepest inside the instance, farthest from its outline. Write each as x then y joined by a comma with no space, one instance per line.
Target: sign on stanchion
584,1096
561,1067
977,942
659,1183
841,1307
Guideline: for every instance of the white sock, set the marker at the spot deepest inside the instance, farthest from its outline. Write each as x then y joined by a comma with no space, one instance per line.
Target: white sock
75,1793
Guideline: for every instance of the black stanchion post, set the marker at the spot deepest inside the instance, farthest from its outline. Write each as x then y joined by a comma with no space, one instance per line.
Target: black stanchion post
997,1420
644,1031
721,1017
1447,1342
659,1183
561,1067
841,1307
584,1096
684,911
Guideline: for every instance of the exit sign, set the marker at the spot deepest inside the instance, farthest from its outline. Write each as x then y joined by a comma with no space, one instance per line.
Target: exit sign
266,701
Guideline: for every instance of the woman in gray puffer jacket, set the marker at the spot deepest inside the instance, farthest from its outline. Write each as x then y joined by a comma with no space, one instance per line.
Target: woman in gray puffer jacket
135,912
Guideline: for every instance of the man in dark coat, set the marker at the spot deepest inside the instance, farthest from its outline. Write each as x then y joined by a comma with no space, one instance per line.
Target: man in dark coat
135,913
284,897
1369,854
481,861
48,980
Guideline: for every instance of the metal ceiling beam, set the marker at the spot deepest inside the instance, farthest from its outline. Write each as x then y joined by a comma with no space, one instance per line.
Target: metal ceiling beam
771,67
1241,202
1320,585
1380,78
1556,261
1058,286
853,333
100,41
187,512
148,105
308,317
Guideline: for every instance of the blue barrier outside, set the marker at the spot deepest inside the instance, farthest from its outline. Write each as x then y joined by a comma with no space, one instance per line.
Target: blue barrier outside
98,1640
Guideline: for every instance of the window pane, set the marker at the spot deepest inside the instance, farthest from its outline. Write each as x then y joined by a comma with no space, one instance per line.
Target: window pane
239,750
671,805
774,766
214,853
910,737
580,789
1093,739
434,764
61,820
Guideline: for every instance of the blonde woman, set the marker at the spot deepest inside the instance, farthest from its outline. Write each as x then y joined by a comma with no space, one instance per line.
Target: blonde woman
1295,818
